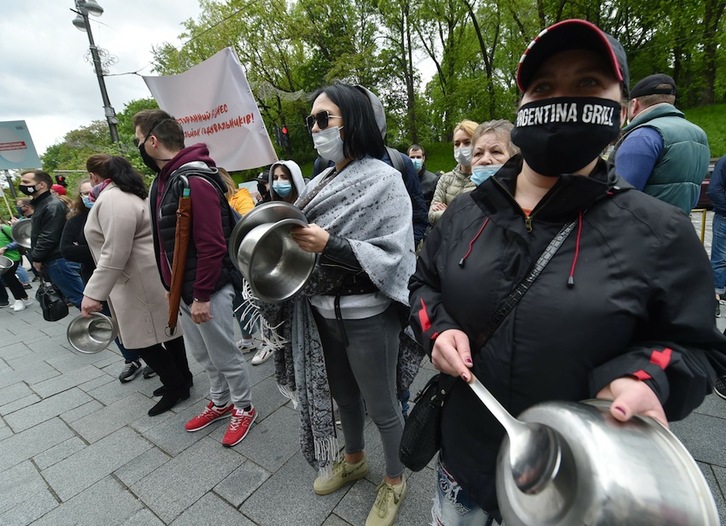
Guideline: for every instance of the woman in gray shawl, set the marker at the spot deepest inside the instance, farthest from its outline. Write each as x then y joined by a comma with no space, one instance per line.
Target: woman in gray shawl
360,224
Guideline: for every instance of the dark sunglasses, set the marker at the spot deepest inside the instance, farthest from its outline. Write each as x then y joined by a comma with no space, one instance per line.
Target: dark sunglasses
321,118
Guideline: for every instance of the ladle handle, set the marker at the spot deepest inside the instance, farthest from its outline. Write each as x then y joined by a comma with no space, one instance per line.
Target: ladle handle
511,424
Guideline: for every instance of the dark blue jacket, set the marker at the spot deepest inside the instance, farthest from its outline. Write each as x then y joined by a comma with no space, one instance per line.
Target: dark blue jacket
717,187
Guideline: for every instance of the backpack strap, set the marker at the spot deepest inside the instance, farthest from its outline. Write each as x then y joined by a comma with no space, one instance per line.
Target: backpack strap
395,157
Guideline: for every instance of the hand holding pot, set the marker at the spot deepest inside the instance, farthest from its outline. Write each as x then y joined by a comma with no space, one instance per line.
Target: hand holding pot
631,397
451,354
311,238
89,306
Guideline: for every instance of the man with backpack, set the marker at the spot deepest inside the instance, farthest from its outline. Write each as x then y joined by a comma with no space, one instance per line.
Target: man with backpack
207,289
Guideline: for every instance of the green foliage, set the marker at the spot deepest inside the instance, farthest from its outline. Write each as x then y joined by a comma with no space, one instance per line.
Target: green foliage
711,119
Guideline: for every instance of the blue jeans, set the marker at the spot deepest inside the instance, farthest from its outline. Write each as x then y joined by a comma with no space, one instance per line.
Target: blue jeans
22,274
66,276
453,506
718,253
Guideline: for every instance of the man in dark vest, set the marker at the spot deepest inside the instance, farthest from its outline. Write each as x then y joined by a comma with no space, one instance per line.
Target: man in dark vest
660,152
207,291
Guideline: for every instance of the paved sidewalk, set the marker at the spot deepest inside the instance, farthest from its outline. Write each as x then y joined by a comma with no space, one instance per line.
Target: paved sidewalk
77,448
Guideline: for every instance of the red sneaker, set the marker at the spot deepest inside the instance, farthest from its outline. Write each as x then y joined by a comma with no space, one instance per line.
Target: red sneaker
239,426
210,414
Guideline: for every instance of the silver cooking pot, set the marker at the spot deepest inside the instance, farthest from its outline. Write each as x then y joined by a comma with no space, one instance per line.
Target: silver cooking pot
611,473
92,335
20,232
5,264
272,262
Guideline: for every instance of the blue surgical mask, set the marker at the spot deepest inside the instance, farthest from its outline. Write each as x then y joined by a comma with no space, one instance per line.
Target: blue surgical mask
282,188
87,201
417,163
482,172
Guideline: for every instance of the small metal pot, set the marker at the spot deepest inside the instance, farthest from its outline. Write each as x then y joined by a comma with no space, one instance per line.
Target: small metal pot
20,232
5,264
92,335
611,472
273,263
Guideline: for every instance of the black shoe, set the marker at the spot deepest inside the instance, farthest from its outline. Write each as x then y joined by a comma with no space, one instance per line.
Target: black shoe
149,372
718,310
159,391
720,387
27,286
4,303
130,371
169,400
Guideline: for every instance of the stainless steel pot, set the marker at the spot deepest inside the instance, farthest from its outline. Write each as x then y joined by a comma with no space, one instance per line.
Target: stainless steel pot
5,264
20,232
272,262
611,473
92,335
265,213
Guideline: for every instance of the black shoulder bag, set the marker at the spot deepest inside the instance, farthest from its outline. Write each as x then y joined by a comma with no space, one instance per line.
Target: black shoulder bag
51,301
422,433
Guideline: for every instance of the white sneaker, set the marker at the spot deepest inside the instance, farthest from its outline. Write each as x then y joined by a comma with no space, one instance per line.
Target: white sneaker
264,353
18,305
28,301
246,345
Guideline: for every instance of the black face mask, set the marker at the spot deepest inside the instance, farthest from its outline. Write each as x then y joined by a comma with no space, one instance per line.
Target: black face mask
149,161
27,189
563,135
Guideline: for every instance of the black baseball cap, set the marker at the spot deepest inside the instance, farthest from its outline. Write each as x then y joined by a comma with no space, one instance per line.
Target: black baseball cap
572,34
650,86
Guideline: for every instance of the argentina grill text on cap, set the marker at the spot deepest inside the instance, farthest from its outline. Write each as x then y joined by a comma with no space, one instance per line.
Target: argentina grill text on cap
572,34
650,86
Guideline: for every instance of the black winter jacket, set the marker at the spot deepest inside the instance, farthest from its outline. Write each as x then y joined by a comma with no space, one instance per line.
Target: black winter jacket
48,220
641,305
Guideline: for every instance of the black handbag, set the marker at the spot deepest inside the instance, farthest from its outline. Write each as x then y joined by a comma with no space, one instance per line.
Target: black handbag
51,301
421,437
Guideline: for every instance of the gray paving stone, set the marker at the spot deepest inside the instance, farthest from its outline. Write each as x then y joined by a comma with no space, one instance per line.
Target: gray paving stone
30,373
103,379
703,436
19,487
112,391
241,483
141,466
59,452
45,409
5,431
13,392
106,502
29,510
13,347
19,404
210,510
334,520
81,411
355,501
22,446
719,481
68,361
86,467
143,517
169,490
267,398
144,422
66,381
300,505
105,421
172,438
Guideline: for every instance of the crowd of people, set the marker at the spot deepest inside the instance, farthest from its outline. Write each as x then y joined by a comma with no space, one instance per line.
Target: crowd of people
412,264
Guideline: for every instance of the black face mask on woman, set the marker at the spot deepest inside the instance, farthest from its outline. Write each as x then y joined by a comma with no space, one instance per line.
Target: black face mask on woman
562,135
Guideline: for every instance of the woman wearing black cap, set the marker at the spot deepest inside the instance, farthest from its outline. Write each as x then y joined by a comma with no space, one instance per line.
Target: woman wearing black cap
622,311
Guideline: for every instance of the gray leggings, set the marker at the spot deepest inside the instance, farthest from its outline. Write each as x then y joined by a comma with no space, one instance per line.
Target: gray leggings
365,370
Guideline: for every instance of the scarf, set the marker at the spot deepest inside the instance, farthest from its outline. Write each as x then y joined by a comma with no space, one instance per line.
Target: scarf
96,190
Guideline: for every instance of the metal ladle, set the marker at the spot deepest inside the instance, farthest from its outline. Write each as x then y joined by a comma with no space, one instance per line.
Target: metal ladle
534,449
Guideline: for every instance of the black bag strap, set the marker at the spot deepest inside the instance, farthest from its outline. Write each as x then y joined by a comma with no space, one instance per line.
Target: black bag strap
507,304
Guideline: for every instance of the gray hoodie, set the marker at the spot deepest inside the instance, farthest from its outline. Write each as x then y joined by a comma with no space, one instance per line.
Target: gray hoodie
295,172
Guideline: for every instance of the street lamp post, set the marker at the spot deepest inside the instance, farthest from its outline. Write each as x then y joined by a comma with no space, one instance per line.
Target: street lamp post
83,9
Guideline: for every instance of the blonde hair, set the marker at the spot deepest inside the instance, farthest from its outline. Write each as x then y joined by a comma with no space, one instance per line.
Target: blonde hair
231,188
467,126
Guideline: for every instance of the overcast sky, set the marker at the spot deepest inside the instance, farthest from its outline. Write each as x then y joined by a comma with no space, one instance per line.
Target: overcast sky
46,80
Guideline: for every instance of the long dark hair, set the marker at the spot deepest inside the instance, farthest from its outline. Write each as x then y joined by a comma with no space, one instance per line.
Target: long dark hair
120,171
361,135
79,207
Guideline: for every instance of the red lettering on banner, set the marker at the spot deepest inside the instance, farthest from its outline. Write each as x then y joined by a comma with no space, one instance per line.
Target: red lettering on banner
17,145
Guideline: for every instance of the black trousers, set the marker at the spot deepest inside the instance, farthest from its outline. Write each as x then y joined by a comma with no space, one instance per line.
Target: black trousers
12,282
169,360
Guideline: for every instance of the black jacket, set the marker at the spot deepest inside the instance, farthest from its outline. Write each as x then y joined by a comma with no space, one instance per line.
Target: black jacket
641,304
48,220
74,246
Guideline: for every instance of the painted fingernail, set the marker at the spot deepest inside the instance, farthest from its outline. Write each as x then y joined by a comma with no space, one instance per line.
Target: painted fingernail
620,409
465,377
468,361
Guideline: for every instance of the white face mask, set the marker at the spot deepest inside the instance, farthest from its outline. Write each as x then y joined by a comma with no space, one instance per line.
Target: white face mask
329,144
463,155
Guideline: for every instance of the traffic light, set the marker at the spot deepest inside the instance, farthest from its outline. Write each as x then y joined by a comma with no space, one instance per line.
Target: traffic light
284,137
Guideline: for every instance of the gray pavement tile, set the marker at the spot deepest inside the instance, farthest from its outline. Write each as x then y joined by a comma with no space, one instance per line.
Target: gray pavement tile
106,502
86,467
143,517
103,379
210,510
299,505
132,472
13,348
241,483
30,373
170,435
81,411
105,421
170,489
144,422
267,398
713,405
334,520
720,496
13,392
703,437
66,381
416,507
27,444
109,393
18,404
19,485
45,409
58,452
355,501
5,431
68,361
270,442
